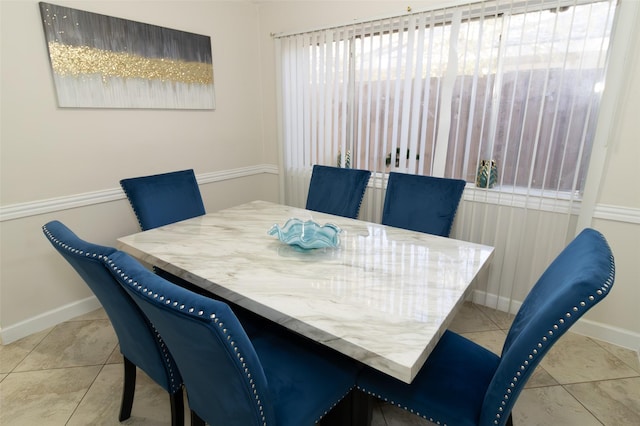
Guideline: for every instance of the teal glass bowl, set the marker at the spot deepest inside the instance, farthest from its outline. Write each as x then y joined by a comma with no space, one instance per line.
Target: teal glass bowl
307,234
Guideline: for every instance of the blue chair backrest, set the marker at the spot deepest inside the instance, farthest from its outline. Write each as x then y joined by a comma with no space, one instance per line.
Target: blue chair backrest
139,342
336,190
421,203
221,370
580,276
165,198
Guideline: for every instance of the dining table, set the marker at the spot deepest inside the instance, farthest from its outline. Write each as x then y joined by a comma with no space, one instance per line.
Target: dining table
383,296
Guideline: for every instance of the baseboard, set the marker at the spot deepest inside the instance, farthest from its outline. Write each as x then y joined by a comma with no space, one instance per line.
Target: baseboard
617,336
503,304
48,319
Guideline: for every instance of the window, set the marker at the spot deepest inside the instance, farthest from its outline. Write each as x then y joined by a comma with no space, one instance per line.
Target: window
446,92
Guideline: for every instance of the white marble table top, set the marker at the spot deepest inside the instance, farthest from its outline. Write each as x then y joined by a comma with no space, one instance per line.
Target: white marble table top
383,297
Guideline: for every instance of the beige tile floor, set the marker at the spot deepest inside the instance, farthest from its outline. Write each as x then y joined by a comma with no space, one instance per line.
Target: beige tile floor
71,374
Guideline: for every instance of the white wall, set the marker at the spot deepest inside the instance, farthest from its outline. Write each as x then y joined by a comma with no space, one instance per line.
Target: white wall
39,139
617,213
54,158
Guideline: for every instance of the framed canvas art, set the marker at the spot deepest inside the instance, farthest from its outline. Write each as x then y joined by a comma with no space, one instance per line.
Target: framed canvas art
100,61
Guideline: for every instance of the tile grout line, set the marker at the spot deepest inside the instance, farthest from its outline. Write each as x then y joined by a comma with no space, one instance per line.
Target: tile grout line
75,409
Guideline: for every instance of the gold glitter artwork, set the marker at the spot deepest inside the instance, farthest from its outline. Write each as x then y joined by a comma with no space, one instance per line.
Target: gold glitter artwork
76,61
100,61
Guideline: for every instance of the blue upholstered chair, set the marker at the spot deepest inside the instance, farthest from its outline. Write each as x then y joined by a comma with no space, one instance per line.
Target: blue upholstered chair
421,203
165,198
337,190
159,200
272,379
140,343
463,384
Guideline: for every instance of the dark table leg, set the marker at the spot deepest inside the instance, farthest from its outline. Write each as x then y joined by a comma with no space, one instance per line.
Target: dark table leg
361,408
354,410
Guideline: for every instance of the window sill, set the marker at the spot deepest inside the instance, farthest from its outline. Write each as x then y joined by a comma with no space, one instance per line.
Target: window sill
512,196
505,195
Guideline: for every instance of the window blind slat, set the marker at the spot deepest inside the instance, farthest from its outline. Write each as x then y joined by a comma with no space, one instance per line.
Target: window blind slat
362,87
345,87
416,112
309,63
448,81
405,71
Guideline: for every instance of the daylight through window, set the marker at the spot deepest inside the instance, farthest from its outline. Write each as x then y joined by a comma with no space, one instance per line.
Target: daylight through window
502,94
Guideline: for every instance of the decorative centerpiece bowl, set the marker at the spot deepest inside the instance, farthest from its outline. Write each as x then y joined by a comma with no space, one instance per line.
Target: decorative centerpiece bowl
307,234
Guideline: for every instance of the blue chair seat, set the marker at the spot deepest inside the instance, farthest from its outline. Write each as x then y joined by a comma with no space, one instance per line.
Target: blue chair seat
462,383
272,378
290,365
447,385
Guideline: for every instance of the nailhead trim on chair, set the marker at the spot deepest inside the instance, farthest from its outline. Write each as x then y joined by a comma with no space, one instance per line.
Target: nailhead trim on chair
165,351
333,406
135,212
411,410
525,364
181,307
104,258
550,335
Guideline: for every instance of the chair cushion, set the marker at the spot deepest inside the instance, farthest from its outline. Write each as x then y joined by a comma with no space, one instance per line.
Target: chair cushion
457,370
300,373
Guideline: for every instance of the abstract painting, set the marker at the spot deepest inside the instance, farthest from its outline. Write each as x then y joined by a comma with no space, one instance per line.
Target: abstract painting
100,61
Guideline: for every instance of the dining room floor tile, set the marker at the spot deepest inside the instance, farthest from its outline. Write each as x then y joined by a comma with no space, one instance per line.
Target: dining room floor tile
71,375
72,344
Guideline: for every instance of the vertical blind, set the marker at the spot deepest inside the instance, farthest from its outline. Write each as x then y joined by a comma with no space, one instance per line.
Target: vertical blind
502,94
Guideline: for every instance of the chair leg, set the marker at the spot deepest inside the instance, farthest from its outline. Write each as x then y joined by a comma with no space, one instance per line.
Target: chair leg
510,420
355,409
196,420
128,390
177,408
